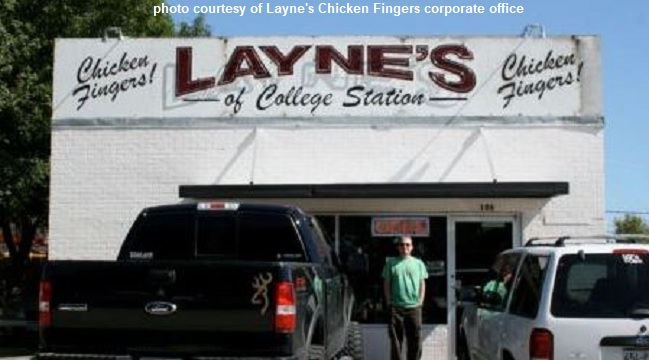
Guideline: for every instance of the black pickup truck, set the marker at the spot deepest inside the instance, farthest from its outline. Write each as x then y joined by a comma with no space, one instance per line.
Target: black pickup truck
203,281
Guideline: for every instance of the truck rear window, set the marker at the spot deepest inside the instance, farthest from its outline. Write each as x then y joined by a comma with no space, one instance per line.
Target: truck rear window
268,237
260,237
224,234
162,237
216,234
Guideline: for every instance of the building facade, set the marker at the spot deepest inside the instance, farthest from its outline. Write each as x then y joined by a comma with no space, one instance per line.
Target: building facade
470,144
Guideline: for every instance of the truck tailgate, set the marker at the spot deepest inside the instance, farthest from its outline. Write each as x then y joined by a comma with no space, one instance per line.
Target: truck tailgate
160,307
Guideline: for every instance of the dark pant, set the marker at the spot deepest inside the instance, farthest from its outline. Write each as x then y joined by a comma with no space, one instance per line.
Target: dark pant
405,322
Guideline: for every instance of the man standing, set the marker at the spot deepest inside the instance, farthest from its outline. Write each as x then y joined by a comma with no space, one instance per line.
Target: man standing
404,285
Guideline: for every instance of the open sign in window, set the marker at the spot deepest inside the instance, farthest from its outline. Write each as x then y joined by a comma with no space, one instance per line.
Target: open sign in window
399,226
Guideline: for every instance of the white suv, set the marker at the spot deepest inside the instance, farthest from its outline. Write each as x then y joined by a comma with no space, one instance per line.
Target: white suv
571,298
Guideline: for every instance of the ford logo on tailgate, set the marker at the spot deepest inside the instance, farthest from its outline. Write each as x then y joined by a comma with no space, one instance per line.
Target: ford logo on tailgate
160,308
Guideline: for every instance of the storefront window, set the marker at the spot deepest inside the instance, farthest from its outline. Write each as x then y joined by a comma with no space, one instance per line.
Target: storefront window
364,256
364,243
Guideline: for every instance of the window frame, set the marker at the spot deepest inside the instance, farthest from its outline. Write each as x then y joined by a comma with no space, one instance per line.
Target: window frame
521,292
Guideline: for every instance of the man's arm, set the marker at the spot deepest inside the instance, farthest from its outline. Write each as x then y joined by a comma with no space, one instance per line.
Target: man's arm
422,291
422,283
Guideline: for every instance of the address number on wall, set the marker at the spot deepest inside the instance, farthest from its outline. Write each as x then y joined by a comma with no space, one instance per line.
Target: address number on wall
487,207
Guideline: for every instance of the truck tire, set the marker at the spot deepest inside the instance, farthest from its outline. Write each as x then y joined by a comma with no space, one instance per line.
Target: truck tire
316,352
354,342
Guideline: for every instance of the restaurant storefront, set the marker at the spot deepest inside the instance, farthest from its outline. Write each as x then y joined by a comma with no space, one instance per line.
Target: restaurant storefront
469,144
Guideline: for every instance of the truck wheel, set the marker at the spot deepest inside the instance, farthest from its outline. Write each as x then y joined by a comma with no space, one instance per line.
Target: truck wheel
316,352
354,342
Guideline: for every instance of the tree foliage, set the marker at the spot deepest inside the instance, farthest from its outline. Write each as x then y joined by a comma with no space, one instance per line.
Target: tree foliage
631,224
199,28
28,29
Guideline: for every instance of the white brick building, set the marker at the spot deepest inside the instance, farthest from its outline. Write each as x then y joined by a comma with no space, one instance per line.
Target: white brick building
485,141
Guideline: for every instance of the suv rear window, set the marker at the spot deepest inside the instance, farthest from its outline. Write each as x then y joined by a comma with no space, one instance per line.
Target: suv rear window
610,285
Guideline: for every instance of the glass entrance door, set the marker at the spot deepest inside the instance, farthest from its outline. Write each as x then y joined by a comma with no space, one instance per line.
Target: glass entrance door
473,244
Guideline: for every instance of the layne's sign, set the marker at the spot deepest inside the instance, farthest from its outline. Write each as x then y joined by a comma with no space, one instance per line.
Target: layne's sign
326,77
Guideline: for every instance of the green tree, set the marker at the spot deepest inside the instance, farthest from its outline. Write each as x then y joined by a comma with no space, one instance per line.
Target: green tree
27,32
199,28
631,224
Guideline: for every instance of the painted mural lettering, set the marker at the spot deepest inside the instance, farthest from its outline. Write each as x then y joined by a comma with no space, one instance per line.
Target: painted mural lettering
467,78
100,78
362,96
525,76
382,61
294,97
274,96
445,67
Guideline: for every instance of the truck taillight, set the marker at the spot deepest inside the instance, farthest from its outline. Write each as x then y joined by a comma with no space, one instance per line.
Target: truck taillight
284,307
541,344
44,298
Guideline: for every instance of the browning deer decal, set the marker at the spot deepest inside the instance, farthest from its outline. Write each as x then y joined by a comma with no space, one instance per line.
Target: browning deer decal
260,285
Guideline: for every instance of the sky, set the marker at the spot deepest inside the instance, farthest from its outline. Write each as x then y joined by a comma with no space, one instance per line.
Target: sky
623,26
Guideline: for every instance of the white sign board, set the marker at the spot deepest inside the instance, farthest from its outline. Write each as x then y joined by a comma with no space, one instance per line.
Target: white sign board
326,77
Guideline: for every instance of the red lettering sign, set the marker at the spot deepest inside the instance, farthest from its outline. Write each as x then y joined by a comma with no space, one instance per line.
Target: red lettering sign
385,61
398,226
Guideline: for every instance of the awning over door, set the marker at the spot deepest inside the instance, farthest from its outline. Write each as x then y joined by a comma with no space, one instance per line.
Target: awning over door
375,191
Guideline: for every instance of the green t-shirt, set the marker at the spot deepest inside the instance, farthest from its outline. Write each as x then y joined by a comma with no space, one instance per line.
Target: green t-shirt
405,280
497,287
